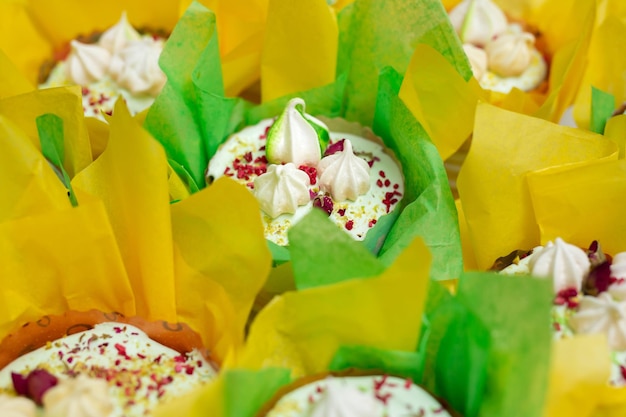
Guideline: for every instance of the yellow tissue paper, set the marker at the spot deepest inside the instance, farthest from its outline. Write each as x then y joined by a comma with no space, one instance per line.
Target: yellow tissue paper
493,182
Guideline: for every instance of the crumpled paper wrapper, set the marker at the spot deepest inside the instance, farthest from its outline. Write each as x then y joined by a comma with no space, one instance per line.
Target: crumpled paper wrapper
123,247
606,63
192,118
443,98
554,182
396,321
493,183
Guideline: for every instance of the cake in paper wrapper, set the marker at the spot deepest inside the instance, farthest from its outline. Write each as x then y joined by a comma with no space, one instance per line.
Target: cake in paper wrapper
103,233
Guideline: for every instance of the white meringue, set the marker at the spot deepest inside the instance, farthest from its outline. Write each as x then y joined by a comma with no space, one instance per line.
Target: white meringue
339,400
136,67
510,53
119,35
344,175
566,264
295,136
17,406
602,314
477,58
478,21
87,63
78,397
282,189
618,267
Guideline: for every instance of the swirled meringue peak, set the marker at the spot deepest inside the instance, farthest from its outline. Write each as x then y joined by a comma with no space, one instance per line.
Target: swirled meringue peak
136,67
17,406
618,267
119,35
478,21
344,175
510,54
296,137
78,397
87,63
282,189
602,314
477,58
341,400
566,264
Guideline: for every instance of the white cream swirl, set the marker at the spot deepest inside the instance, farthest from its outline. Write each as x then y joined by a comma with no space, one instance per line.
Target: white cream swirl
339,400
282,189
119,35
86,63
477,58
478,21
136,67
602,314
78,397
618,266
292,138
566,264
344,175
510,53
17,406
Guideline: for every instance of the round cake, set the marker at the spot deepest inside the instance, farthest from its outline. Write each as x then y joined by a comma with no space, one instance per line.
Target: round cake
117,62
503,54
110,368
589,288
295,163
353,393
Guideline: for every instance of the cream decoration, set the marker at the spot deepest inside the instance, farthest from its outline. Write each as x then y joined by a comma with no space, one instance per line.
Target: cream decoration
478,21
344,175
17,406
602,314
282,189
566,264
510,53
477,58
87,63
136,67
119,35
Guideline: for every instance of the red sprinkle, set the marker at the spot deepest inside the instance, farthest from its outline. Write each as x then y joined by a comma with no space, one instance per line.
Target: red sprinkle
311,172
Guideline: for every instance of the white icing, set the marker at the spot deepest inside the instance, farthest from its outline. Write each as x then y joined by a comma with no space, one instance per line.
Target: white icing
530,79
119,35
403,399
86,63
510,54
11,406
602,314
292,138
567,265
367,207
122,63
127,357
478,21
477,58
618,267
282,189
136,67
78,397
343,400
344,175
